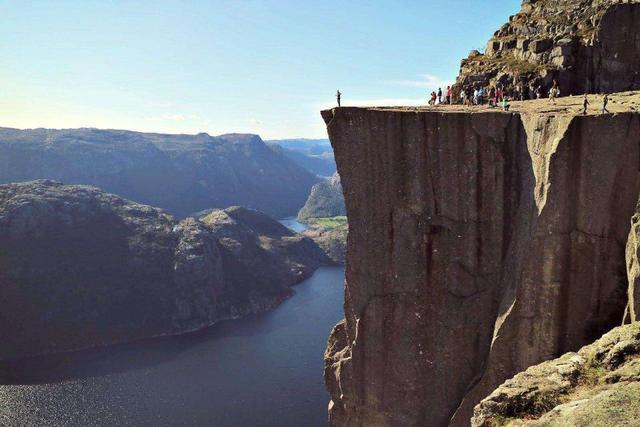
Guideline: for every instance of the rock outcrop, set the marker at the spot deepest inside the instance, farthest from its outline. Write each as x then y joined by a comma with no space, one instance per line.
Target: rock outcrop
480,243
182,174
585,45
597,386
325,200
81,268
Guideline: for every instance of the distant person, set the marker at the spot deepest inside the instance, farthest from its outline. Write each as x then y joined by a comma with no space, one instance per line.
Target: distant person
481,95
463,96
552,94
439,95
338,96
605,101
538,92
585,104
476,94
505,103
447,95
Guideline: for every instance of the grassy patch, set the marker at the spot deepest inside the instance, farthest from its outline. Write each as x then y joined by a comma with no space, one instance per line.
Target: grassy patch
332,222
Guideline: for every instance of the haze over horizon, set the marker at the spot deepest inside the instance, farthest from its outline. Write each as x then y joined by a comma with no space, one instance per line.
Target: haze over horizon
225,67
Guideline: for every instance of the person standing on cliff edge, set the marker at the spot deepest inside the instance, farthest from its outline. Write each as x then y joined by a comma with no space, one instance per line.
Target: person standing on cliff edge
605,101
585,104
338,95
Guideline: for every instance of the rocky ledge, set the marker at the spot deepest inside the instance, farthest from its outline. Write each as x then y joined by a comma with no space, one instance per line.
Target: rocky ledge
597,386
81,268
481,242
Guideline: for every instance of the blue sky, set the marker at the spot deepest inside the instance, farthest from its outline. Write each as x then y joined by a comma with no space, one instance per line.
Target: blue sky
263,67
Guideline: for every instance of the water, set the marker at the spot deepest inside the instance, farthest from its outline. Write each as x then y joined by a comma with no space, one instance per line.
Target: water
259,371
292,224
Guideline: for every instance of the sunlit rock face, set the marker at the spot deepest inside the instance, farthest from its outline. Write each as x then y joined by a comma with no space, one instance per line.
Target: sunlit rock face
479,244
82,268
585,45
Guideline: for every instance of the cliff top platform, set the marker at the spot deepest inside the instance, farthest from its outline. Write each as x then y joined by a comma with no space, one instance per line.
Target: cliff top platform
623,102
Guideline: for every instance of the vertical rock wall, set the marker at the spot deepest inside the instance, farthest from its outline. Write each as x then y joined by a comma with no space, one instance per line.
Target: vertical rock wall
478,245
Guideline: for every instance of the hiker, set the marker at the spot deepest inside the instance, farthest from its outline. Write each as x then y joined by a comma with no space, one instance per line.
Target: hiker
552,94
447,95
499,94
439,95
492,96
463,96
585,104
605,101
432,100
476,93
538,92
338,95
505,104
481,95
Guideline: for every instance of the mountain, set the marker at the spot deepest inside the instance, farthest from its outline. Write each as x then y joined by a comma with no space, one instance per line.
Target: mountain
315,155
325,200
80,268
179,173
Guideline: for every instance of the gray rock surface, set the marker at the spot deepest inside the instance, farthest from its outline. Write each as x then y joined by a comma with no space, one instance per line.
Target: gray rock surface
586,45
597,386
80,267
182,174
480,243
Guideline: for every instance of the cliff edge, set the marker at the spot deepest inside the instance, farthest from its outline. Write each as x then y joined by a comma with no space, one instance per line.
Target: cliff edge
481,242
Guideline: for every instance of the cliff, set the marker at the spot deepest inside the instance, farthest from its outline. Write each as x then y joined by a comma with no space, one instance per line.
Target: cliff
81,268
586,45
182,174
481,242
325,200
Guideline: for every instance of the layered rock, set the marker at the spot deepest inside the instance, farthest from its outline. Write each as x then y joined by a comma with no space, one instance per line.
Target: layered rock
479,244
599,386
80,268
325,200
182,174
585,45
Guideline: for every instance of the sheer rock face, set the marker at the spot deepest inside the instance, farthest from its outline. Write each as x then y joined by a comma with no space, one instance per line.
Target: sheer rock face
479,244
182,174
586,45
81,268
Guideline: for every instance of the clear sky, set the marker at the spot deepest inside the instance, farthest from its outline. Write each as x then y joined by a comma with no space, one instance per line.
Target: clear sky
219,66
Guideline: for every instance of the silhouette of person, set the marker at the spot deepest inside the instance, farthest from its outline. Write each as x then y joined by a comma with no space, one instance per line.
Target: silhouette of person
338,95
585,104
605,101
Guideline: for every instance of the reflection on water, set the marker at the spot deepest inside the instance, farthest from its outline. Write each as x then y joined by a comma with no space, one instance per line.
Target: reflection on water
292,224
264,370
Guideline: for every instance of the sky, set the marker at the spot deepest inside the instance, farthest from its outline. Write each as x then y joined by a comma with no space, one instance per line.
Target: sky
218,66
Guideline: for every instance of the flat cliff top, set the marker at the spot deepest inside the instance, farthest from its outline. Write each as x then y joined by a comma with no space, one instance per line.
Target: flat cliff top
623,102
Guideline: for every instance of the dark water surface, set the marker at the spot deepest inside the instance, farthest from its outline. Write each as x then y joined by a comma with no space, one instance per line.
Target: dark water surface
259,371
